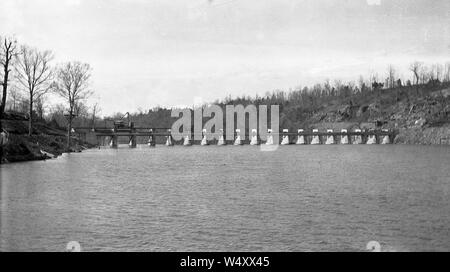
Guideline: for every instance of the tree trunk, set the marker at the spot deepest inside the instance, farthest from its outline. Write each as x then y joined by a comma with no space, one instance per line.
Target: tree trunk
1,117
3,102
1,146
69,129
30,119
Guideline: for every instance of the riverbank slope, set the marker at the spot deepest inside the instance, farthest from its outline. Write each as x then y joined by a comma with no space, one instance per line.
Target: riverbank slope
46,141
420,113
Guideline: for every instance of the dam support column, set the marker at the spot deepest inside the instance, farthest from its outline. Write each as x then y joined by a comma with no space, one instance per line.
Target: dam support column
371,138
254,137
285,139
133,142
315,138
204,139
238,140
344,137
300,137
221,140
386,138
169,140
269,140
357,139
113,142
151,139
330,137
99,141
187,140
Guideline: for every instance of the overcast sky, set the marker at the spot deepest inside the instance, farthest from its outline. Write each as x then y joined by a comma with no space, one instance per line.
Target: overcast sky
169,53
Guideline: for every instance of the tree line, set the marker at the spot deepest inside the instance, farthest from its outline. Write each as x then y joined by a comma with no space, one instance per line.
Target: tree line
28,75
299,104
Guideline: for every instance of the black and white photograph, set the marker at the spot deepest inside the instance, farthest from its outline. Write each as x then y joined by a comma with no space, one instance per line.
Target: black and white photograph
224,126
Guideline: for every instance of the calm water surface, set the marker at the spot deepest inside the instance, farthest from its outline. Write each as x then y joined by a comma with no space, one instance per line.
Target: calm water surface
297,198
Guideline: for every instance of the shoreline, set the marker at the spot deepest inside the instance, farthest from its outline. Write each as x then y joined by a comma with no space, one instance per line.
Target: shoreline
23,148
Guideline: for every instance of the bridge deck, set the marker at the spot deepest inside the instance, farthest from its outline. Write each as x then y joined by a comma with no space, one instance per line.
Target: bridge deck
145,132
137,134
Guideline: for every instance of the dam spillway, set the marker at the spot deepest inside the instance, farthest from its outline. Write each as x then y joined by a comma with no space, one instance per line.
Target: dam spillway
301,137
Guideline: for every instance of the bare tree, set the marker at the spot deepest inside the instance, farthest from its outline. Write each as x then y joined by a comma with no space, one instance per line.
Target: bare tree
363,86
72,82
391,77
374,82
440,70
436,72
446,77
34,75
8,52
415,68
424,74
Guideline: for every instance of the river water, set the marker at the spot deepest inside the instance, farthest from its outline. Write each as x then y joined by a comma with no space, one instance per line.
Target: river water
230,198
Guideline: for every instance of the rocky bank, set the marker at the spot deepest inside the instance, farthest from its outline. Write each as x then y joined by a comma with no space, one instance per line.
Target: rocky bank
46,142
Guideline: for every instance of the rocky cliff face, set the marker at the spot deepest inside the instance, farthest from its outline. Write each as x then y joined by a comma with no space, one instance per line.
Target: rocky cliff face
419,119
424,135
